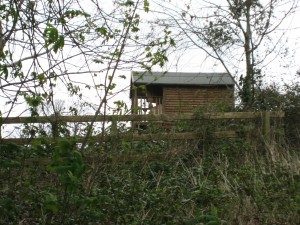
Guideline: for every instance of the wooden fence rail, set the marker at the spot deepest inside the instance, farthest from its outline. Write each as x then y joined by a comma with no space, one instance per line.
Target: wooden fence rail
160,117
265,116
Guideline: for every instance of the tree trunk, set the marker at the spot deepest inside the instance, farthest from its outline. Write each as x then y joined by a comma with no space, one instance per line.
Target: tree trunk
248,84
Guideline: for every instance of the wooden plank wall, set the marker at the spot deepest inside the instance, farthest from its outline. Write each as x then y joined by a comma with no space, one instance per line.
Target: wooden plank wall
186,99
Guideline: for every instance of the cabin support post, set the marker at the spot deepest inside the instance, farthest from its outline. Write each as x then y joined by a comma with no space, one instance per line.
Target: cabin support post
134,105
134,102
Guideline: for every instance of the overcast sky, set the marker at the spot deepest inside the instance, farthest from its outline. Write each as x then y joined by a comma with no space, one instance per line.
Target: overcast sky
281,69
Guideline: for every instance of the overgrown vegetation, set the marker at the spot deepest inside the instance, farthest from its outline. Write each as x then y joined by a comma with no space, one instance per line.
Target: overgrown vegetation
78,48
206,181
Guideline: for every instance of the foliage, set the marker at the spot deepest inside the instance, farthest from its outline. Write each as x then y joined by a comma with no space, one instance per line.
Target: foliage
52,50
287,99
209,181
46,46
239,36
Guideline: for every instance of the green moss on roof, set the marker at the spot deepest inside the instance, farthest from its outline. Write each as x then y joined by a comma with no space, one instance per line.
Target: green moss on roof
178,78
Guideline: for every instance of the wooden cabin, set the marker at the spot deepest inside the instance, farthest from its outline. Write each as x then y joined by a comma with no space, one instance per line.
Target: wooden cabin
173,92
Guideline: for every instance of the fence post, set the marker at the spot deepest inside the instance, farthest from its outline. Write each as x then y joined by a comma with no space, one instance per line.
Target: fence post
55,124
114,127
266,127
114,134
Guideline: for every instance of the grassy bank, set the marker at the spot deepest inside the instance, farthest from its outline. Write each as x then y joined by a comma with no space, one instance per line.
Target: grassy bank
223,181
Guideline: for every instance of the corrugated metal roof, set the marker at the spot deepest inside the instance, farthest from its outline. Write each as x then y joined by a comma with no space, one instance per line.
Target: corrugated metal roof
178,78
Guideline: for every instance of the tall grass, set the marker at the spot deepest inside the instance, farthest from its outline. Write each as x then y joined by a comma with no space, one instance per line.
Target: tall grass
243,181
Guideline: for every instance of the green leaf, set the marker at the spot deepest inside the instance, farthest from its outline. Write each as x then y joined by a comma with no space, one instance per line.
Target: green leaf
172,42
112,86
42,78
128,3
102,30
122,76
50,34
4,70
135,29
146,6
149,54
51,202
33,101
74,13
214,211
59,44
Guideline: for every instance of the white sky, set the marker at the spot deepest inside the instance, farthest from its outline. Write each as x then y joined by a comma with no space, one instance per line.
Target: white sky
282,69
